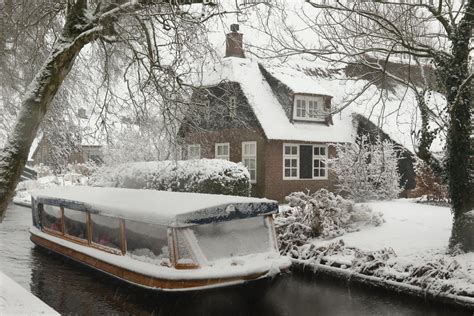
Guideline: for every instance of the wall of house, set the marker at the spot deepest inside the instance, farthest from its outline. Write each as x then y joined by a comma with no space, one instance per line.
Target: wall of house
235,137
276,188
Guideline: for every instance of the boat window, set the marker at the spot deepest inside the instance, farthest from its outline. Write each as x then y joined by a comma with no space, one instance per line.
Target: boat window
75,223
146,242
105,231
184,255
234,238
51,217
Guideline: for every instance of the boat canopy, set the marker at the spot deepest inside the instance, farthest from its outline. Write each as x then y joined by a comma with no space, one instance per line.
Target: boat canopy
174,209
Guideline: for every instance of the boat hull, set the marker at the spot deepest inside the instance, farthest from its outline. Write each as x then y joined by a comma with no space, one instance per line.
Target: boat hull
139,279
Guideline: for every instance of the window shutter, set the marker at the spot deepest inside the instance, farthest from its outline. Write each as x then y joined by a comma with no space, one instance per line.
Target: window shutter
306,162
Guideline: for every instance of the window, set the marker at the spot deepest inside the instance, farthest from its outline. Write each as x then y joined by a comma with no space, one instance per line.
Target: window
319,162
305,162
222,151
290,161
194,151
249,159
232,107
51,217
75,223
309,108
233,238
106,231
146,242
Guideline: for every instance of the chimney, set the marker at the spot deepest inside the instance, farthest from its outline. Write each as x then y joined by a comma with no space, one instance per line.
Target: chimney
233,45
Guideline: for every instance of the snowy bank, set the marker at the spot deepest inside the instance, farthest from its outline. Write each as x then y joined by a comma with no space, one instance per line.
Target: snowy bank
406,253
15,300
23,189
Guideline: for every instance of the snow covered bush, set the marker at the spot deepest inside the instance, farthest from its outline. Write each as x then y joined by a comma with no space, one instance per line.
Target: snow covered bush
367,171
201,176
321,214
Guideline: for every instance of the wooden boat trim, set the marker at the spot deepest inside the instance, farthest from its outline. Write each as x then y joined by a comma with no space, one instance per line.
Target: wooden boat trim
135,277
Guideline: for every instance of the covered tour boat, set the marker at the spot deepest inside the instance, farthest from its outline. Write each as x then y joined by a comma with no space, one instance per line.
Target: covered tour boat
160,240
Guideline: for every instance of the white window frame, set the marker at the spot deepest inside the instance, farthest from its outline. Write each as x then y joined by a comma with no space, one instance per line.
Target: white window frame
324,160
222,156
190,148
307,100
291,156
248,156
297,157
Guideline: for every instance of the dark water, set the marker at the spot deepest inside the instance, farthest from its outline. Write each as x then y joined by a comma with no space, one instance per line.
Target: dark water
72,289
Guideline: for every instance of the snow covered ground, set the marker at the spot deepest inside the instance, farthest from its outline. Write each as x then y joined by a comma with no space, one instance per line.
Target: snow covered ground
15,300
418,235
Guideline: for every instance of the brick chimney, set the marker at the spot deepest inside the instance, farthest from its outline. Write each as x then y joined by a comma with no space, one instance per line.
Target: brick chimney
233,45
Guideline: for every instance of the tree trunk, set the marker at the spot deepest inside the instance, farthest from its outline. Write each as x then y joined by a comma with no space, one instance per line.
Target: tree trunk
458,167
37,101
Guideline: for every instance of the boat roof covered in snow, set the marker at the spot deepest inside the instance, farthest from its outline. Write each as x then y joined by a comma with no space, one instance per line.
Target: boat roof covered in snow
157,207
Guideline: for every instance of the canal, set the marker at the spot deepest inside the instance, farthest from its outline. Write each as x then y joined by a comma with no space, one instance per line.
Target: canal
73,289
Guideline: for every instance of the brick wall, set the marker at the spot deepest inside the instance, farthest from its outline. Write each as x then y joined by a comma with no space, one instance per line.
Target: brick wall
234,137
275,187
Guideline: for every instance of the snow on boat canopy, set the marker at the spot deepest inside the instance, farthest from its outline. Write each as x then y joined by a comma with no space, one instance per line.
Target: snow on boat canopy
157,207
160,240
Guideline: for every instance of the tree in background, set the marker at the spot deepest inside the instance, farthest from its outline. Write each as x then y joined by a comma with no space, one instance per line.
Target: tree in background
153,39
399,42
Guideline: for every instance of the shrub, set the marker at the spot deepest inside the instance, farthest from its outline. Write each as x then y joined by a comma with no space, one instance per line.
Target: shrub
322,214
428,185
201,176
367,171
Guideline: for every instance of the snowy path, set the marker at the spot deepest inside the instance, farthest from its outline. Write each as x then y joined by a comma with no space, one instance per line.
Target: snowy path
410,229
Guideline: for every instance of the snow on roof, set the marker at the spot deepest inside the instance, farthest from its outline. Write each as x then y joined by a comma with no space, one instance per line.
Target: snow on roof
269,111
157,207
395,112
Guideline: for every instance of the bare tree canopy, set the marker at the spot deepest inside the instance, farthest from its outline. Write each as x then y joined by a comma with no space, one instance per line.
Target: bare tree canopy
423,45
149,43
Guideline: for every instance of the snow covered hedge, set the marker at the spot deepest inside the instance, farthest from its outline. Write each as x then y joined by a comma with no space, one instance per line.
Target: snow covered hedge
201,176
321,214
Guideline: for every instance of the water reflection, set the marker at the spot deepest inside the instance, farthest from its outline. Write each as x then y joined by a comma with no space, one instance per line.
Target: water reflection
71,288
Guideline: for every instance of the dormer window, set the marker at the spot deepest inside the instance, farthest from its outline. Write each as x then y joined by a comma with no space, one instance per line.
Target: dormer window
309,108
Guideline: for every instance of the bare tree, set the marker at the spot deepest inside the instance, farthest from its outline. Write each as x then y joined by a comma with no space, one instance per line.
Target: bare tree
152,39
398,41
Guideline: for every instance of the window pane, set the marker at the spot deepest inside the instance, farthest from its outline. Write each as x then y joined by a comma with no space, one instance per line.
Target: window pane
294,172
287,150
323,172
287,162
316,172
294,150
146,242
51,217
252,163
287,172
316,151
75,223
233,238
294,163
105,231
184,253
253,174
323,151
